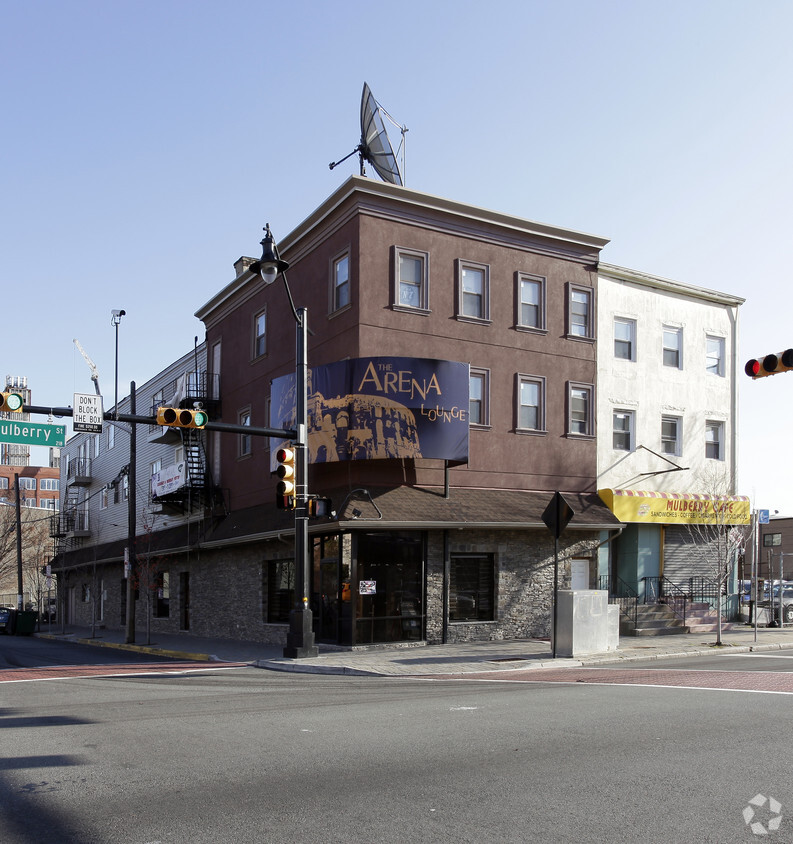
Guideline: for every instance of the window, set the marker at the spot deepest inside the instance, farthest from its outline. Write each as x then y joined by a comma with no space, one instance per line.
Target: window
715,356
85,593
714,435
162,606
125,488
472,587
49,484
104,496
280,590
473,291
244,418
97,438
531,302
579,316
412,283
3,483
671,435
625,338
478,404
50,503
27,483
260,334
771,539
341,282
673,347
156,465
111,436
531,403
623,428
580,422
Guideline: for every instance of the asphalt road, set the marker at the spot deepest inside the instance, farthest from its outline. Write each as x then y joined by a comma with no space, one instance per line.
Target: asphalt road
245,755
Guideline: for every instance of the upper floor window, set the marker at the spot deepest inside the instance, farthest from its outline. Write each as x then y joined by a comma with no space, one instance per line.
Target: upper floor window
244,418
104,496
49,484
623,428
673,347
714,439
580,312
478,404
3,482
411,274
624,338
111,436
531,302
531,403
580,419
27,483
715,355
341,282
671,435
96,438
473,283
260,334
771,539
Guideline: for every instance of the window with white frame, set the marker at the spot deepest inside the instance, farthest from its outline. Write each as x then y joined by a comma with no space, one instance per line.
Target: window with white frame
580,421
473,283
580,321
97,438
714,361
478,404
673,347
27,483
714,440
111,436
49,484
104,497
411,275
531,302
50,503
260,334
3,483
623,430
671,435
624,338
531,403
340,294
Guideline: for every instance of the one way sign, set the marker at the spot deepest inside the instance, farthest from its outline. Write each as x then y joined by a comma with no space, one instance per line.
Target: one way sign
87,413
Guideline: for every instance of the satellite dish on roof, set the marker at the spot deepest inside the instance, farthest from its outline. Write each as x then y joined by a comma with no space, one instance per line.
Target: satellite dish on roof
375,146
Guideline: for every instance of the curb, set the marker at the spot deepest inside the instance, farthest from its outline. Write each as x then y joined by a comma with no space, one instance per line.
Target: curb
147,649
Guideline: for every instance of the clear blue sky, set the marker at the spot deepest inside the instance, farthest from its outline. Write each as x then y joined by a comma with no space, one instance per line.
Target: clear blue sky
145,145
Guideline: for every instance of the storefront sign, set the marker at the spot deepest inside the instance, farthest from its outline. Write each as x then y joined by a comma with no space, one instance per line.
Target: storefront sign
367,587
670,508
379,408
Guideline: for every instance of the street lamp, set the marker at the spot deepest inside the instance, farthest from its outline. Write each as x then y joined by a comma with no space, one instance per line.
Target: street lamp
300,639
115,320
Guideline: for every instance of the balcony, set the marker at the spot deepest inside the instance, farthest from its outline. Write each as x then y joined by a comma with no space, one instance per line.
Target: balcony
189,389
79,472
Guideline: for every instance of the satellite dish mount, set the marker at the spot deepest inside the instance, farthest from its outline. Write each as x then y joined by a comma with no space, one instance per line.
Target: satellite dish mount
375,146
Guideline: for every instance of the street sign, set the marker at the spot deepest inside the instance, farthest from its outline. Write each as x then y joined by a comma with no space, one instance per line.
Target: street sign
87,414
32,433
557,514
762,517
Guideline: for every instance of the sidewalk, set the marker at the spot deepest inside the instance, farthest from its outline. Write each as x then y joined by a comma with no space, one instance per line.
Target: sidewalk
421,659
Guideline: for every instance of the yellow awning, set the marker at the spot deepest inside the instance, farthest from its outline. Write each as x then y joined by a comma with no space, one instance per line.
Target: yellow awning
677,508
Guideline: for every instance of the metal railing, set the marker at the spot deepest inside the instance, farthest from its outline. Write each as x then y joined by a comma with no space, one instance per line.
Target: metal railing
623,594
79,467
661,590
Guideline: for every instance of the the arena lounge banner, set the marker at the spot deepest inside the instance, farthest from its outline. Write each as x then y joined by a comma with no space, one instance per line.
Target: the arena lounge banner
381,407
670,508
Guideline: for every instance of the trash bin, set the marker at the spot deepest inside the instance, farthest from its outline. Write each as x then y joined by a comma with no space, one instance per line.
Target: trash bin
7,617
25,623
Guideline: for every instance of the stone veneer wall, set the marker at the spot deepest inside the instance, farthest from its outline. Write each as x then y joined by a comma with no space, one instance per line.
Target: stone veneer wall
228,587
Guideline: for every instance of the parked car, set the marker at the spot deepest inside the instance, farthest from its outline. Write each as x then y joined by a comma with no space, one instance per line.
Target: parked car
787,604
6,620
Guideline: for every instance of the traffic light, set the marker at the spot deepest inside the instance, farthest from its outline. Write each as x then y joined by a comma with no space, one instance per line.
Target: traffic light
11,402
178,417
770,364
319,508
285,471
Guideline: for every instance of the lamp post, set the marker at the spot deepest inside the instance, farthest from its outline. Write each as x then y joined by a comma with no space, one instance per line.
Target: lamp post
300,639
115,320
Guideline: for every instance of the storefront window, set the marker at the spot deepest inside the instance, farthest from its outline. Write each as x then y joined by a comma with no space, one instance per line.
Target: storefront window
472,587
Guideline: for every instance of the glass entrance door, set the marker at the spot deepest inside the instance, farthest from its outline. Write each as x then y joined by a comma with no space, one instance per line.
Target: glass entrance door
389,587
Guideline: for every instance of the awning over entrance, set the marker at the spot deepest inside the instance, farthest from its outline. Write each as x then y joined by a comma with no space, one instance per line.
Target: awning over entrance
677,508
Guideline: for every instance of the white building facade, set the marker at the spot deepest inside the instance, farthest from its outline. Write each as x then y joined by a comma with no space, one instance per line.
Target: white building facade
667,412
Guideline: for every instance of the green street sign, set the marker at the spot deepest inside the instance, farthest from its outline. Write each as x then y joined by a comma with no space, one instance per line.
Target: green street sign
32,433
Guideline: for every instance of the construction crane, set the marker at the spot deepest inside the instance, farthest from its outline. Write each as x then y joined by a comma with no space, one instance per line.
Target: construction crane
92,366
